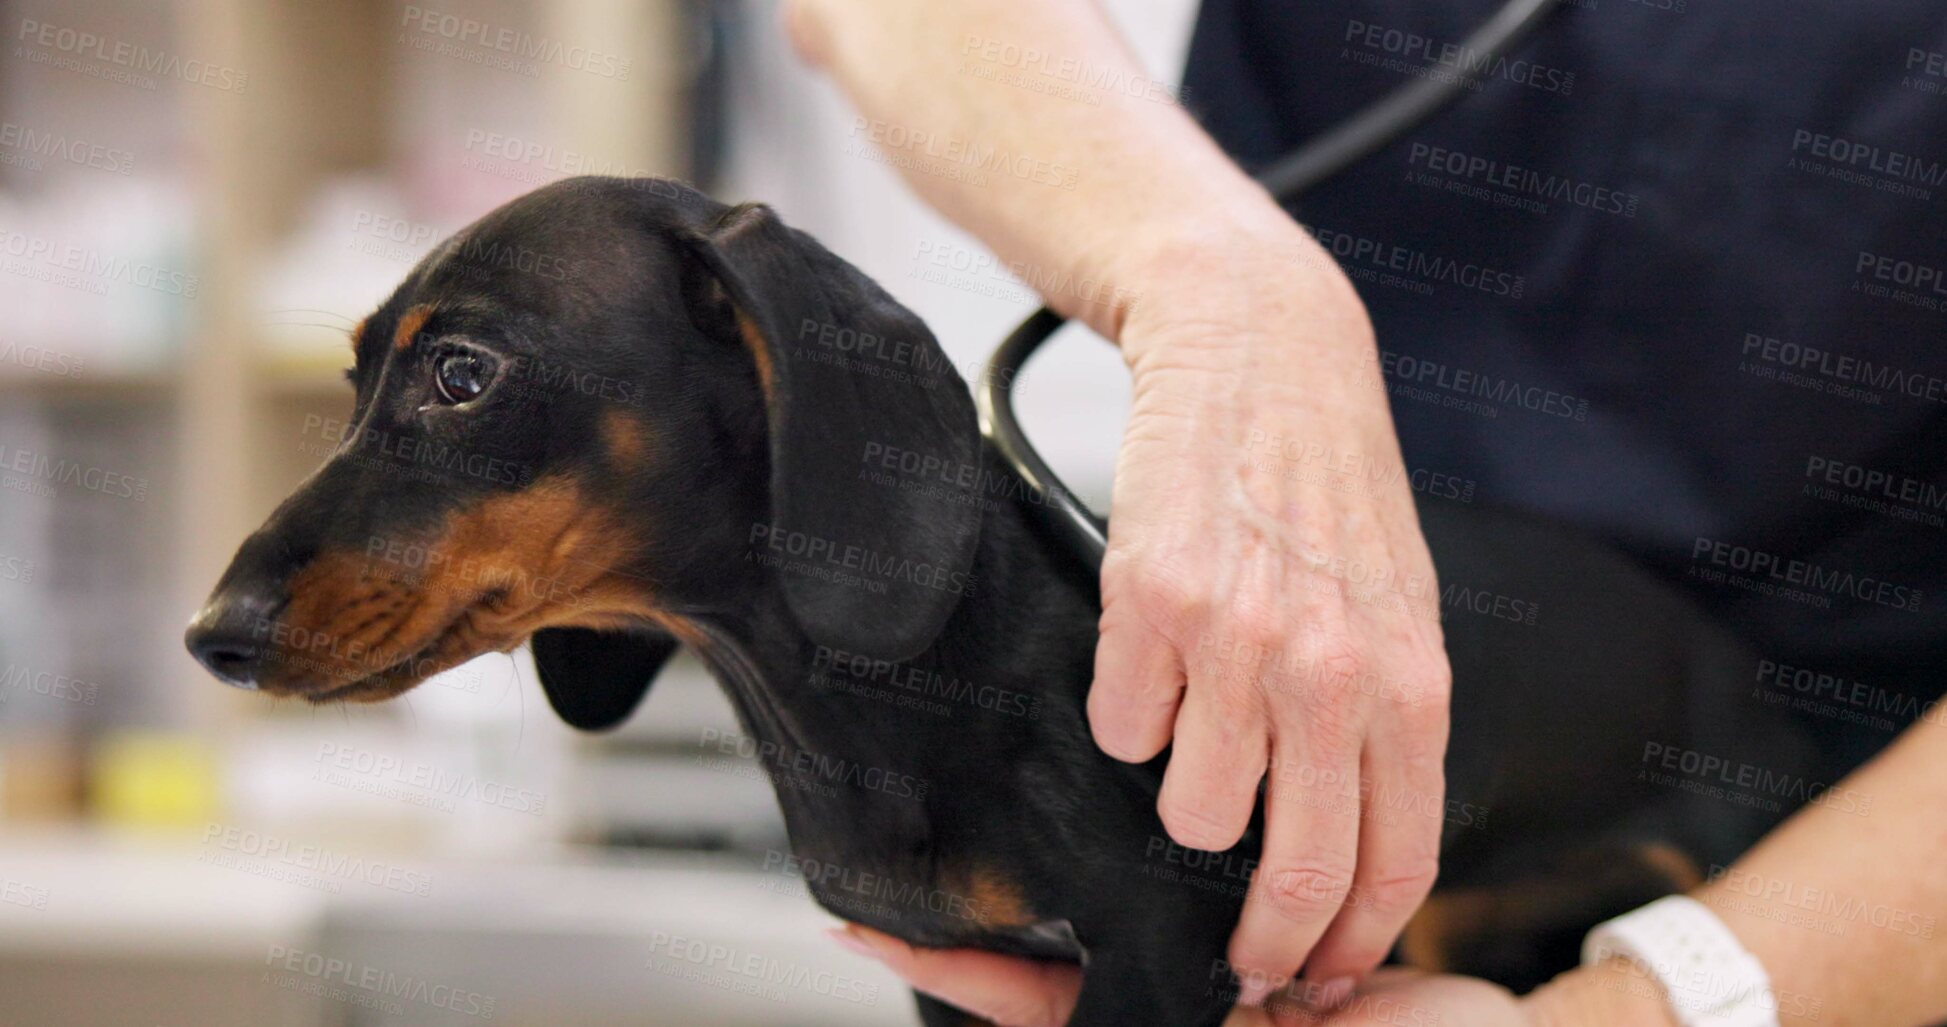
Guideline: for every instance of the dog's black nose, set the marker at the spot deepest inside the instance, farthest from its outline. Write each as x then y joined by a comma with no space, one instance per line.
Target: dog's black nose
233,660
229,637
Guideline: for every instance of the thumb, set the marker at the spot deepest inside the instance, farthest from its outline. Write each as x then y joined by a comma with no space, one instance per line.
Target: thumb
1009,991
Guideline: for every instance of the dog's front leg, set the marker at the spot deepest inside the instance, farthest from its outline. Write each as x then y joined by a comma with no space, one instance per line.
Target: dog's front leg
1163,983
1162,968
1155,990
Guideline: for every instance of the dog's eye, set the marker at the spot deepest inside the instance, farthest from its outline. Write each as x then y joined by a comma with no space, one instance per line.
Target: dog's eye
460,374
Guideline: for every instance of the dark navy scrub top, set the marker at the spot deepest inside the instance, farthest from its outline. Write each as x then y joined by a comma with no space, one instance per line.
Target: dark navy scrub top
1675,274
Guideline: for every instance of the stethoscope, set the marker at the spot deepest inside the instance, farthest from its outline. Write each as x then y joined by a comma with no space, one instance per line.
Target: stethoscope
1374,126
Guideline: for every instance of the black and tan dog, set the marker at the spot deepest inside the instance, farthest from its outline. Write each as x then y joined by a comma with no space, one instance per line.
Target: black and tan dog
616,416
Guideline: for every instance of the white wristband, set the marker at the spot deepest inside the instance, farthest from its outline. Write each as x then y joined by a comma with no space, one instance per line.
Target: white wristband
1710,979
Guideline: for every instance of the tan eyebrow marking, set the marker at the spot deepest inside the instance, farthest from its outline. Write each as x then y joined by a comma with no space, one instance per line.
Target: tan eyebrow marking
358,330
409,325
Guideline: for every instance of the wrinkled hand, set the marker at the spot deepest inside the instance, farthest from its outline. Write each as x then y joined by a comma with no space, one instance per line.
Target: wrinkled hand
1268,602
1023,993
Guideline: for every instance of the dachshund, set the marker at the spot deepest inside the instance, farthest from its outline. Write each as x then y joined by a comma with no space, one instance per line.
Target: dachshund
615,417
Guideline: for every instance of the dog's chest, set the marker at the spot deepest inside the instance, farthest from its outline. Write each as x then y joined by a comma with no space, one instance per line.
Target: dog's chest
891,871
878,865
942,906
906,901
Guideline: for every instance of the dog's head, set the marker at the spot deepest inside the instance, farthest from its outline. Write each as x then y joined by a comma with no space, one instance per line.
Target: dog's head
594,418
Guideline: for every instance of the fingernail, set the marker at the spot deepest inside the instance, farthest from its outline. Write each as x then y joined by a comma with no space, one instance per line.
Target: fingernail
1252,989
851,942
1331,994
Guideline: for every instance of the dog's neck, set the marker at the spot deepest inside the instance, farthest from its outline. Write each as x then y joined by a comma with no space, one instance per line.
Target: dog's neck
809,706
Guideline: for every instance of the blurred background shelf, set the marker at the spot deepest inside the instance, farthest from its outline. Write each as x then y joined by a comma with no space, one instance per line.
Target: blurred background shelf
111,388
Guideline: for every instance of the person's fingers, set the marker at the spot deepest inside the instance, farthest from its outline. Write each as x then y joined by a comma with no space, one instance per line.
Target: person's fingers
1311,833
1009,991
1132,704
1399,846
1303,1005
1216,763
1251,1016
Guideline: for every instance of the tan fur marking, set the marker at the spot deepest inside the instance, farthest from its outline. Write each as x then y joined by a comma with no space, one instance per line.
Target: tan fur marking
409,325
1674,864
622,432
997,902
494,574
1427,940
759,352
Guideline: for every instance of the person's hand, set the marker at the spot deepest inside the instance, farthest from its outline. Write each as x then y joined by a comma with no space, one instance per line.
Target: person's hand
1024,993
1267,599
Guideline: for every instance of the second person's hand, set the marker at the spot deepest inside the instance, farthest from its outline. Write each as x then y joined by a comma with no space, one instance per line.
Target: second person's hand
1011,992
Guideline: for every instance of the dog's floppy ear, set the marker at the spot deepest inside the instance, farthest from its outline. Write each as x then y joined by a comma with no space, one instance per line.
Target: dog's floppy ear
595,679
871,561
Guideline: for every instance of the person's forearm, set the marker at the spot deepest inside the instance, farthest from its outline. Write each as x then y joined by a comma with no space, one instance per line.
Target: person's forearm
1844,915
1840,904
1125,181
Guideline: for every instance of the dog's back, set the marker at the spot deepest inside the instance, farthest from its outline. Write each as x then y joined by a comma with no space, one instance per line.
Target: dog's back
1578,680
